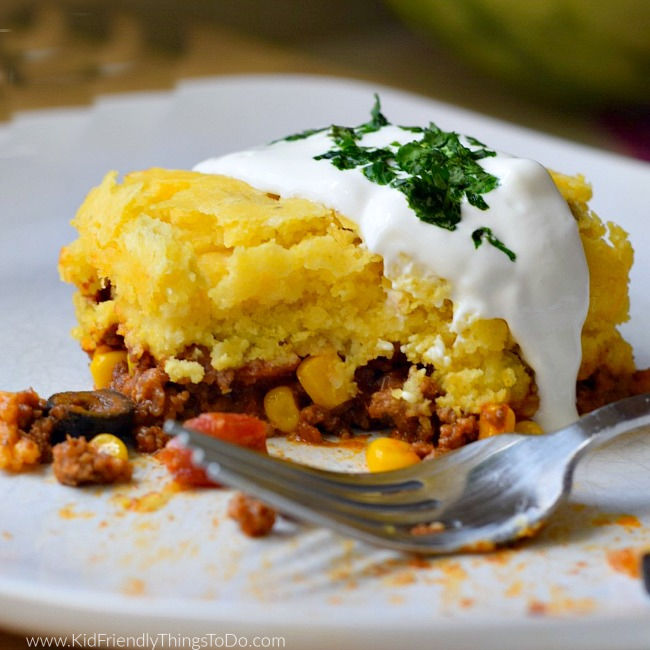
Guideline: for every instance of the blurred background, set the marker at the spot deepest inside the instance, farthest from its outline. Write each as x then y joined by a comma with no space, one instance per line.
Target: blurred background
575,68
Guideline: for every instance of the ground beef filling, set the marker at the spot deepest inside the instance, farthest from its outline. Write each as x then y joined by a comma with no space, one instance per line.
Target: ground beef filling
243,390
374,408
603,387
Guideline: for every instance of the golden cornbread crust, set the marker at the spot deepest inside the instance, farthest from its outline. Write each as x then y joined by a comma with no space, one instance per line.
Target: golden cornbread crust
198,274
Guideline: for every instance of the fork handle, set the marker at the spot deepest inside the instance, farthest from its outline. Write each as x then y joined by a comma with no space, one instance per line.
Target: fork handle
606,423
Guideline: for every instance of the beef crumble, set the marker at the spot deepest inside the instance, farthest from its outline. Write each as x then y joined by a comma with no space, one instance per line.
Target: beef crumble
76,462
455,431
25,430
255,518
18,411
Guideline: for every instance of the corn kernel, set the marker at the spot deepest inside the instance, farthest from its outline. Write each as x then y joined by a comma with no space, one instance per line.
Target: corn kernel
495,419
323,378
102,365
281,410
385,454
528,427
111,445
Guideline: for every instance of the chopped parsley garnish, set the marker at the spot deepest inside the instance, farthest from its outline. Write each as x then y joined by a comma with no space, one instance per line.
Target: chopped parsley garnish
303,134
435,171
485,233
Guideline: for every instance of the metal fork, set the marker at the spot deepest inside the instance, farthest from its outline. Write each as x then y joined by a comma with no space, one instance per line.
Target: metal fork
487,493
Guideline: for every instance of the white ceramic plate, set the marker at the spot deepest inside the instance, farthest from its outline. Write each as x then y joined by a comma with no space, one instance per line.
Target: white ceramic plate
84,561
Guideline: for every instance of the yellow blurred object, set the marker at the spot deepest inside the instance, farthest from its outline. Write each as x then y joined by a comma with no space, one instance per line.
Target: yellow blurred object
528,427
495,419
385,454
281,409
324,380
102,365
111,445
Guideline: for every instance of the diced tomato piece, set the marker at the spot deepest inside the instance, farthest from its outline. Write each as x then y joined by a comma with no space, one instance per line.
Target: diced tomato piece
243,430
240,429
178,461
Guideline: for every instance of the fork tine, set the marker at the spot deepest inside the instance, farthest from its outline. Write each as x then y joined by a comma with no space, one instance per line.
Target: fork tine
323,509
232,465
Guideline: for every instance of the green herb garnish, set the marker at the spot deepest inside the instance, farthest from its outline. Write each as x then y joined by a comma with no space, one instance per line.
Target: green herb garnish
377,118
302,135
435,172
485,233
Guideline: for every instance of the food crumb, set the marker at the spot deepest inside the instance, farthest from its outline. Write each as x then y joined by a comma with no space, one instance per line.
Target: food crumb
382,568
577,567
608,519
560,603
629,521
626,561
428,529
401,579
452,579
481,546
255,518
68,512
499,557
419,562
537,608
134,587
7,535
453,571
151,501
514,589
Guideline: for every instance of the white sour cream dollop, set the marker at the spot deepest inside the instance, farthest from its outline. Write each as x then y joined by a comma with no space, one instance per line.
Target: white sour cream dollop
543,295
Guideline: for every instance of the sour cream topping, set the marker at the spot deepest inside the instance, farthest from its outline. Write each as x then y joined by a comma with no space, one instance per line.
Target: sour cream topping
543,295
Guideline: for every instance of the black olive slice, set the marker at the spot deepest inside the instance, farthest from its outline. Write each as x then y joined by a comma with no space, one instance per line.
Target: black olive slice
87,413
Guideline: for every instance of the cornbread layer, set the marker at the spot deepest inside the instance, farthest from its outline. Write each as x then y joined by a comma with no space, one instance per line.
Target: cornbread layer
180,263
